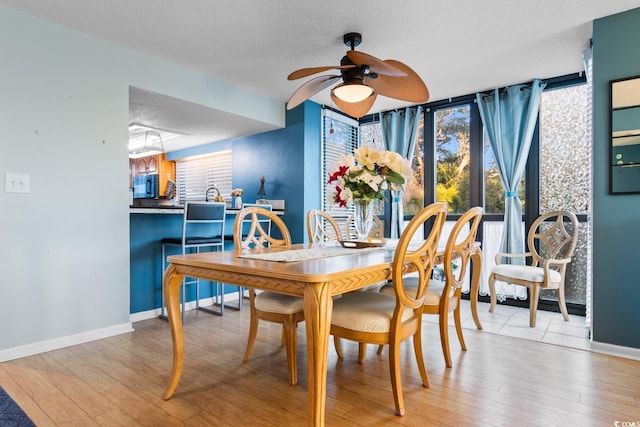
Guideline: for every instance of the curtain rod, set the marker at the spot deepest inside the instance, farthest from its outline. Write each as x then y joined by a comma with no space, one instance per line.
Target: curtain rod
552,83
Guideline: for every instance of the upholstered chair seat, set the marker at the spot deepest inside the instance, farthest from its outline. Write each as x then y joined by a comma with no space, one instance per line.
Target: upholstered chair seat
277,303
366,312
527,273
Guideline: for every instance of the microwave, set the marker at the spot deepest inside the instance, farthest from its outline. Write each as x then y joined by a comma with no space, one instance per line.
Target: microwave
146,186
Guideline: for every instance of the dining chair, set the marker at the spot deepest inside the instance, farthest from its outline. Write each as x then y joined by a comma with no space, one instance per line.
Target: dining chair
266,223
321,227
286,310
376,232
551,240
373,317
443,296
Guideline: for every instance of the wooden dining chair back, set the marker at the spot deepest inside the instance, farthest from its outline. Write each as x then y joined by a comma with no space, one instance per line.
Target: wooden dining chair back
373,317
286,310
321,227
551,241
264,221
444,297
265,225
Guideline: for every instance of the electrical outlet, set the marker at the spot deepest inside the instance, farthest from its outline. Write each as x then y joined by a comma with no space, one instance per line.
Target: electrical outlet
17,183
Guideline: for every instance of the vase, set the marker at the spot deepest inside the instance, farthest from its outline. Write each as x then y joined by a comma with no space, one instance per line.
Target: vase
237,202
363,218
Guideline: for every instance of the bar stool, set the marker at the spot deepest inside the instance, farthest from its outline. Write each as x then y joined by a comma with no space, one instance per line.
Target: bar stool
202,227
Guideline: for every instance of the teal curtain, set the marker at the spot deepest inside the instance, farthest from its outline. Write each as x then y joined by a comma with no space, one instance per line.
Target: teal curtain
509,117
399,130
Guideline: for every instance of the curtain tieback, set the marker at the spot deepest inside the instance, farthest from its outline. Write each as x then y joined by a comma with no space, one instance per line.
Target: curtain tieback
508,194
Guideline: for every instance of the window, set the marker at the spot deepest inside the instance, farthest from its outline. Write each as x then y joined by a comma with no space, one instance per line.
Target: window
196,175
454,163
565,175
453,157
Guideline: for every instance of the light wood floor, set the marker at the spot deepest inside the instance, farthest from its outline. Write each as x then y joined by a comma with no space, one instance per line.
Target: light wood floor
501,381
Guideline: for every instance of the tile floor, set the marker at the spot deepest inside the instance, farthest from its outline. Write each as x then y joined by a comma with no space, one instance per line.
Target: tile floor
514,322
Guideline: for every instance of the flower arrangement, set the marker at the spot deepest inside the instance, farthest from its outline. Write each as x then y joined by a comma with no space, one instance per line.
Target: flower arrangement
236,192
375,172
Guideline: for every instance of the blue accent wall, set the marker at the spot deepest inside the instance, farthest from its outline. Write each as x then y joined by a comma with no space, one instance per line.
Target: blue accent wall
616,218
289,160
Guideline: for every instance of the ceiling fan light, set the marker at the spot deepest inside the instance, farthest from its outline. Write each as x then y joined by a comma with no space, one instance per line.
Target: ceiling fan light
352,92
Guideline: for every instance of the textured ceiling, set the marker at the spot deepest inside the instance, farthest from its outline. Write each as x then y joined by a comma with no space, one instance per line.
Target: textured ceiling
458,46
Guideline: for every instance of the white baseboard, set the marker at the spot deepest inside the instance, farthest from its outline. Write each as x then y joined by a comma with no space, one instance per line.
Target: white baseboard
616,350
191,305
67,341
98,334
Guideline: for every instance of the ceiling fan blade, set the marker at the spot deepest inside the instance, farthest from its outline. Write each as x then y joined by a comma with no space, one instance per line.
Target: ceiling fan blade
355,109
410,88
304,72
375,65
309,89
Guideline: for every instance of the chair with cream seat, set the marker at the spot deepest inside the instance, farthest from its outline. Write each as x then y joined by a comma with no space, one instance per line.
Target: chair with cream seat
551,241
266,222
373,317
443,297
202,227
269,306
321,227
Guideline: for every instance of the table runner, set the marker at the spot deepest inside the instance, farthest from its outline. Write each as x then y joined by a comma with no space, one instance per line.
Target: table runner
305,254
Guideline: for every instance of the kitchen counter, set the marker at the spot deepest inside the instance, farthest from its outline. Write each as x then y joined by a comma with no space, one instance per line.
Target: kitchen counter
179,210
147,226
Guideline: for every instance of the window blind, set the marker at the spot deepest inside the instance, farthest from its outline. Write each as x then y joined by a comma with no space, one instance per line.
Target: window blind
195,176
340,135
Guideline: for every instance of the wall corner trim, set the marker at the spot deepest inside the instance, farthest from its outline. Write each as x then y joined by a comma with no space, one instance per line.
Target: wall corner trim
616,350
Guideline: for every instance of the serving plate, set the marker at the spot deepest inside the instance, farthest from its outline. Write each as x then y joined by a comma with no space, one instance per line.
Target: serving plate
359,244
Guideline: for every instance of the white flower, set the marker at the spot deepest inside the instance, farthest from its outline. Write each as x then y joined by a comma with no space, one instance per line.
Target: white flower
374,172
372,180
346,195
367,156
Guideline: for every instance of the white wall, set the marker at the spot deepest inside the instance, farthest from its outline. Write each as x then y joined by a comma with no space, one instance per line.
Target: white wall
64,248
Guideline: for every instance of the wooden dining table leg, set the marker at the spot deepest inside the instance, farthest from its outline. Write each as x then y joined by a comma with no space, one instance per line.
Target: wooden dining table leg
318,306
476,260
171,284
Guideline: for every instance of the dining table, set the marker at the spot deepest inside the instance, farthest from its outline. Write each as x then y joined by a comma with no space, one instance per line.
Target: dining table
315,272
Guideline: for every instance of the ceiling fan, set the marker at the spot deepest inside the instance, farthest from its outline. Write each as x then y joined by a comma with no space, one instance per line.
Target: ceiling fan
364,77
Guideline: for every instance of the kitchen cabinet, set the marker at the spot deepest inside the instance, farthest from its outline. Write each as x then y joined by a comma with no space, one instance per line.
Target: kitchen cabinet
153,164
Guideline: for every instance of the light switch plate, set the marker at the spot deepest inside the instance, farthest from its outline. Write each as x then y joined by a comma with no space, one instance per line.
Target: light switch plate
17,183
